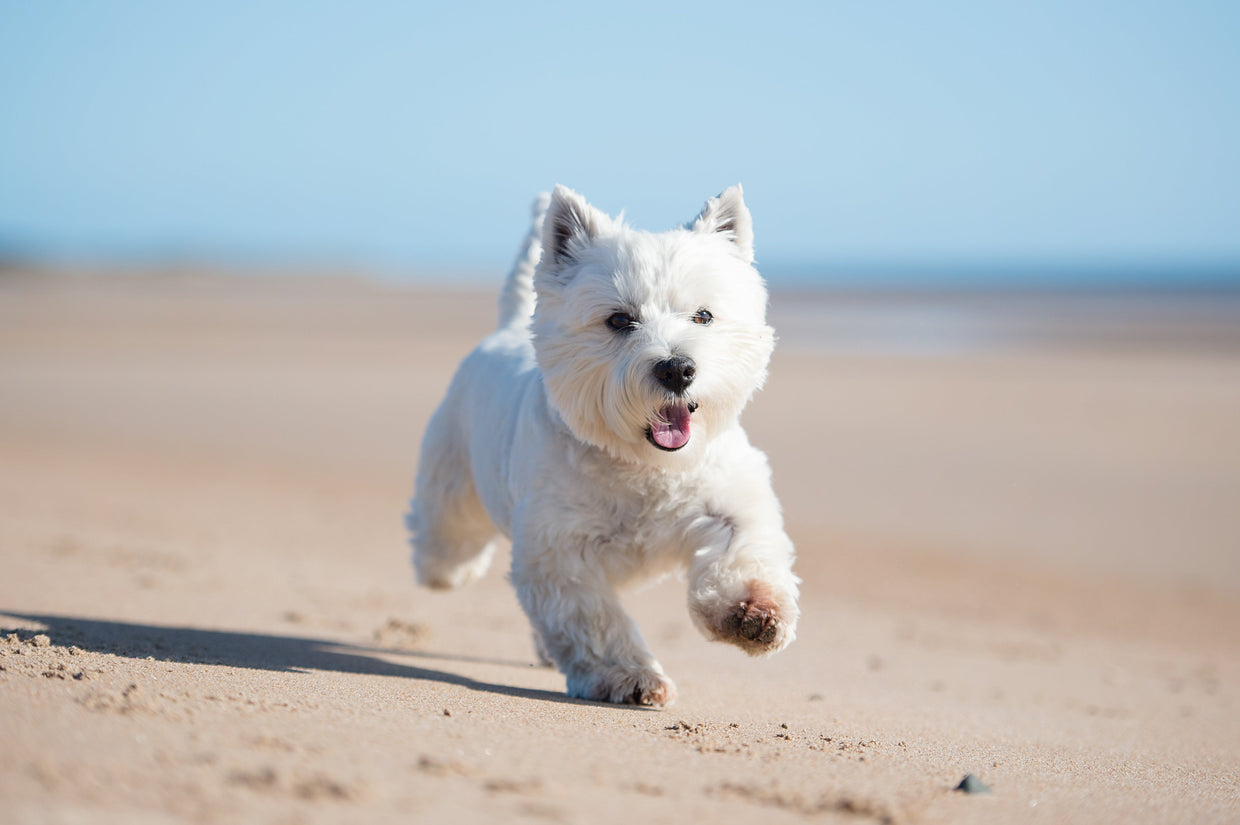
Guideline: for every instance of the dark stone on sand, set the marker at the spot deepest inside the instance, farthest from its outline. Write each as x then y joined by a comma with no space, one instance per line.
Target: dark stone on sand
971,784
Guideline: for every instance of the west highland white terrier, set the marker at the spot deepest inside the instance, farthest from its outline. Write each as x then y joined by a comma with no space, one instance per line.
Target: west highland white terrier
598,428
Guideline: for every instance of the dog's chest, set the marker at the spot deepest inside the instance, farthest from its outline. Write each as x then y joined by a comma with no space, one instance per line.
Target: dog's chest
630,519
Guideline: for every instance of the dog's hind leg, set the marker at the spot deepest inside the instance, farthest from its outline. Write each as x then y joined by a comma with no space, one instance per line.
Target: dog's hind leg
453,537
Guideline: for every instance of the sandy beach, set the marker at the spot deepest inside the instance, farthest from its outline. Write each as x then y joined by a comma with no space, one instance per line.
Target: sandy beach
1020,562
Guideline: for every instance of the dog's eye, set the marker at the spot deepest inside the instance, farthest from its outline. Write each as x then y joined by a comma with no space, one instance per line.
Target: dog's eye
703,317
621,322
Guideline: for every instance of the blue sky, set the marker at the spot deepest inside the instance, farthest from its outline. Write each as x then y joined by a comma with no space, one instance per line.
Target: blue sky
402,136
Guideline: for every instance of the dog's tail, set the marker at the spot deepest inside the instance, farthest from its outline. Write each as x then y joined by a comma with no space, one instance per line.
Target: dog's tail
516,302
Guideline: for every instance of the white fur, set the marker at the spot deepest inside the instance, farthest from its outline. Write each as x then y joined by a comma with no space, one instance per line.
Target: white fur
543,437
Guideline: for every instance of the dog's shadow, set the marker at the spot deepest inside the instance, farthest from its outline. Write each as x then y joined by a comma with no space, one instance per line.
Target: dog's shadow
289,654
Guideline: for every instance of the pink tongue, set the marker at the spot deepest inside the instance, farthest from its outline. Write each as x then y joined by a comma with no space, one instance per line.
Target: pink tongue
671,430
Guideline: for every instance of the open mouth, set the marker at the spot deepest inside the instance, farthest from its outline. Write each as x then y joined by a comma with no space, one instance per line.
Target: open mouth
670,430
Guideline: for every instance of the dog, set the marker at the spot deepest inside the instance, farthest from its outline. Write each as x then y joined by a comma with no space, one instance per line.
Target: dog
598,429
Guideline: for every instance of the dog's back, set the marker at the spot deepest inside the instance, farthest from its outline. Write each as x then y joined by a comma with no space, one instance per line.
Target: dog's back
456,517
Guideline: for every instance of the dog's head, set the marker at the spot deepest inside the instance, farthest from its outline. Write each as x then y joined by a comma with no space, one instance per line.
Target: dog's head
650,344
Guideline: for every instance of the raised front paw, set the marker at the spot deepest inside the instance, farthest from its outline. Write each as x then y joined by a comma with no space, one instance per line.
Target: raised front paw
623,686
761,621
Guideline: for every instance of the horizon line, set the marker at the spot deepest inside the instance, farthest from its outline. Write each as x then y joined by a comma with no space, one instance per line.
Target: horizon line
947,271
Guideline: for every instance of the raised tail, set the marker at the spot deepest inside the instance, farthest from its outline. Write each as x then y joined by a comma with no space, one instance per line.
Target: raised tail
516,302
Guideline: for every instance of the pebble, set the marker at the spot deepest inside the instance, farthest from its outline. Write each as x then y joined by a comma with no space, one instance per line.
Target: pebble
971,784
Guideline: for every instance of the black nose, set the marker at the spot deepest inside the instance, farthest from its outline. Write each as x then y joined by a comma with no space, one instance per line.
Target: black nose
675,373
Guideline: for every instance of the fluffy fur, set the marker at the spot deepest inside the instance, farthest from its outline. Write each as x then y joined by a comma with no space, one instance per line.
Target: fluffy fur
598,428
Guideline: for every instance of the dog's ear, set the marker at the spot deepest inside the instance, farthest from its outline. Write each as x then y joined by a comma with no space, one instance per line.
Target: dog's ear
728,215
571,224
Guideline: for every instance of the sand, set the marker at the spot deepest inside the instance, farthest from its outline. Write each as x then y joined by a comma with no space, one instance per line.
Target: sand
1021,563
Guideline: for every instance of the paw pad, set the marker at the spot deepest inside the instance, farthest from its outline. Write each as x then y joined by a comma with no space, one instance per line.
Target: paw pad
754,620
762,621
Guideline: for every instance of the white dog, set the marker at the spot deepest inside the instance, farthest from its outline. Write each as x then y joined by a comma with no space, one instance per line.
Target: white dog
598,429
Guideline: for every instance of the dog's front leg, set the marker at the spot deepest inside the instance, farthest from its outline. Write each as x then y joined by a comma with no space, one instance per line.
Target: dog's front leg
586,633
741,586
